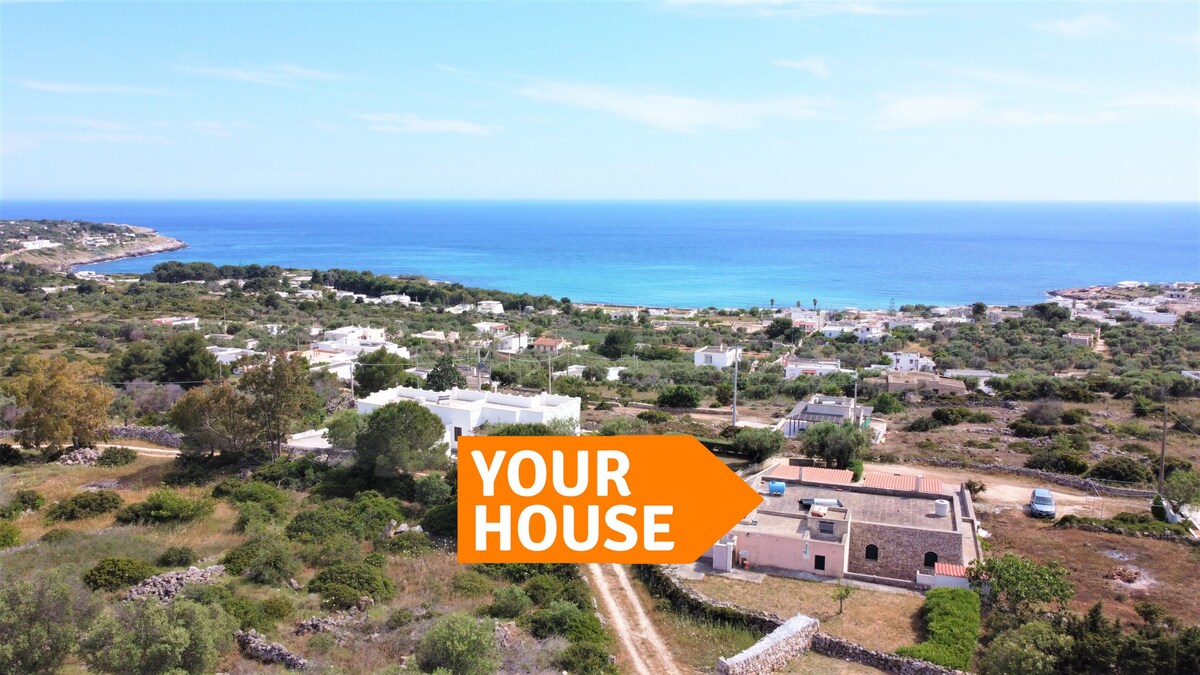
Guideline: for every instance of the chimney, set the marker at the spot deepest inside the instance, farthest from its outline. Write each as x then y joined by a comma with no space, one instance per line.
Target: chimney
917,484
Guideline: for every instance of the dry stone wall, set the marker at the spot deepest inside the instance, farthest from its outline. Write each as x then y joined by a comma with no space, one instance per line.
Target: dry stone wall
1076,482
773,652
837,648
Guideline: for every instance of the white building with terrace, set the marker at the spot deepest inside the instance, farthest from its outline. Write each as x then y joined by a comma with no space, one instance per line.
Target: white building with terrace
464,410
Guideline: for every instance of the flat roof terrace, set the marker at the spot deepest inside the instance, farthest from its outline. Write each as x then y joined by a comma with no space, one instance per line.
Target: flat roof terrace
867,507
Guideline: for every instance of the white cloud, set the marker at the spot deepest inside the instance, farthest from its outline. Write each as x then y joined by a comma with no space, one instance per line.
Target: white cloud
413,124
927,110
681,114
450,69
814,65
796,8
218,129
1088,25
1180,103
944,109
1015,79
284,75
1189,39
78,88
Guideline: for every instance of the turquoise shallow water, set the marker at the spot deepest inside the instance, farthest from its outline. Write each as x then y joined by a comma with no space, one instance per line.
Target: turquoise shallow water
695,254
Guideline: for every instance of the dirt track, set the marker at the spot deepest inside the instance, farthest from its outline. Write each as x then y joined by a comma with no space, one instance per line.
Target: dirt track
1007,491
644,649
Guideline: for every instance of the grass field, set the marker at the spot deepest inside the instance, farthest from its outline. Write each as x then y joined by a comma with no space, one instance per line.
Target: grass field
875,619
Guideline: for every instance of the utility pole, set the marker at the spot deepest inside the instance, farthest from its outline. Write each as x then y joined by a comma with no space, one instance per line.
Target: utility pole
736,359
549,373
1162,456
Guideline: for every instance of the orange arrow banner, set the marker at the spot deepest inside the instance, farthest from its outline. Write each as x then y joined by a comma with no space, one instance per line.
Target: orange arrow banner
594,499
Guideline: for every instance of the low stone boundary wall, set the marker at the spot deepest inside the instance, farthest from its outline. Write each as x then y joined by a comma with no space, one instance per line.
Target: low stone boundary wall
837,648
156,435
1076,482
772,653
759,658
663,584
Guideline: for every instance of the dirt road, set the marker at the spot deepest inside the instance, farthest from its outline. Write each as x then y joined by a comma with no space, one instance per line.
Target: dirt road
644,649
1007,491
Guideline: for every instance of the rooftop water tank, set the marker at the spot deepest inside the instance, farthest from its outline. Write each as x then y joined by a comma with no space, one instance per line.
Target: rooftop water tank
776,487
941,508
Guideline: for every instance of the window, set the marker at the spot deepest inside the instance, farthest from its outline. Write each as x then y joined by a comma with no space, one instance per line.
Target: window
872,552
930,559
825,527
819,563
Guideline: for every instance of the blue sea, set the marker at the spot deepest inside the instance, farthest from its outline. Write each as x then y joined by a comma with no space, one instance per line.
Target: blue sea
686,254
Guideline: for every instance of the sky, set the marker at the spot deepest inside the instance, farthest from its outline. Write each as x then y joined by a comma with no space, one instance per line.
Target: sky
676,99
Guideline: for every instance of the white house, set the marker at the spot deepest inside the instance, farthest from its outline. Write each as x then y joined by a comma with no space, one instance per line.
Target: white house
460,309
356,340
227,355
491,327
395,299
437,336
463,410
550,345
794,367
910,361
178,322
719,356
489,307
511,344
38,244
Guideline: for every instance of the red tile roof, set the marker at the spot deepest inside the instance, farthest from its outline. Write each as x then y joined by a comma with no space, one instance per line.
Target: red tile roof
950,570
885,481
548,342
811,474
785,472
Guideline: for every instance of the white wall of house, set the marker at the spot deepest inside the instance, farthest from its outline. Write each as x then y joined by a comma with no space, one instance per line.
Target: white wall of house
719,357
462,410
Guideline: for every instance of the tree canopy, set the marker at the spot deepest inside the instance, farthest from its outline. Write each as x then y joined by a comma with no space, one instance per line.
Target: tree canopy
401,438
837,444
64,403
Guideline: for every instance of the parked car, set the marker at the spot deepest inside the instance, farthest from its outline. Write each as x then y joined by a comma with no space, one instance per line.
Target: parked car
1041,504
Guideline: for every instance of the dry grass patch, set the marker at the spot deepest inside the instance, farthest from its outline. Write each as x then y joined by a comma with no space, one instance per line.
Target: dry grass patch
876,619
816,664
695,644
1168,571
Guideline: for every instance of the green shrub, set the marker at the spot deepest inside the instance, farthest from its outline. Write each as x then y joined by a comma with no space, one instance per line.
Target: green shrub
251,516
271,499
544,589
1158,510
432,490
655,416
376,560
111,574
321,643
924,424
278,608
1075,416
319,525
291,474
951,416
85,505
267,560
26,500
10,455
41,621
577,592
410,543
1121,469
180,637
1057,461
187,472
952,622
399,618
10,534
177,556
339,596
678,396
519,573
116,456
508,603
58,535
370,512
165,506
758,444
441,520
363,578
566,619
460,644
338,548
470,584
856,466
585,657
